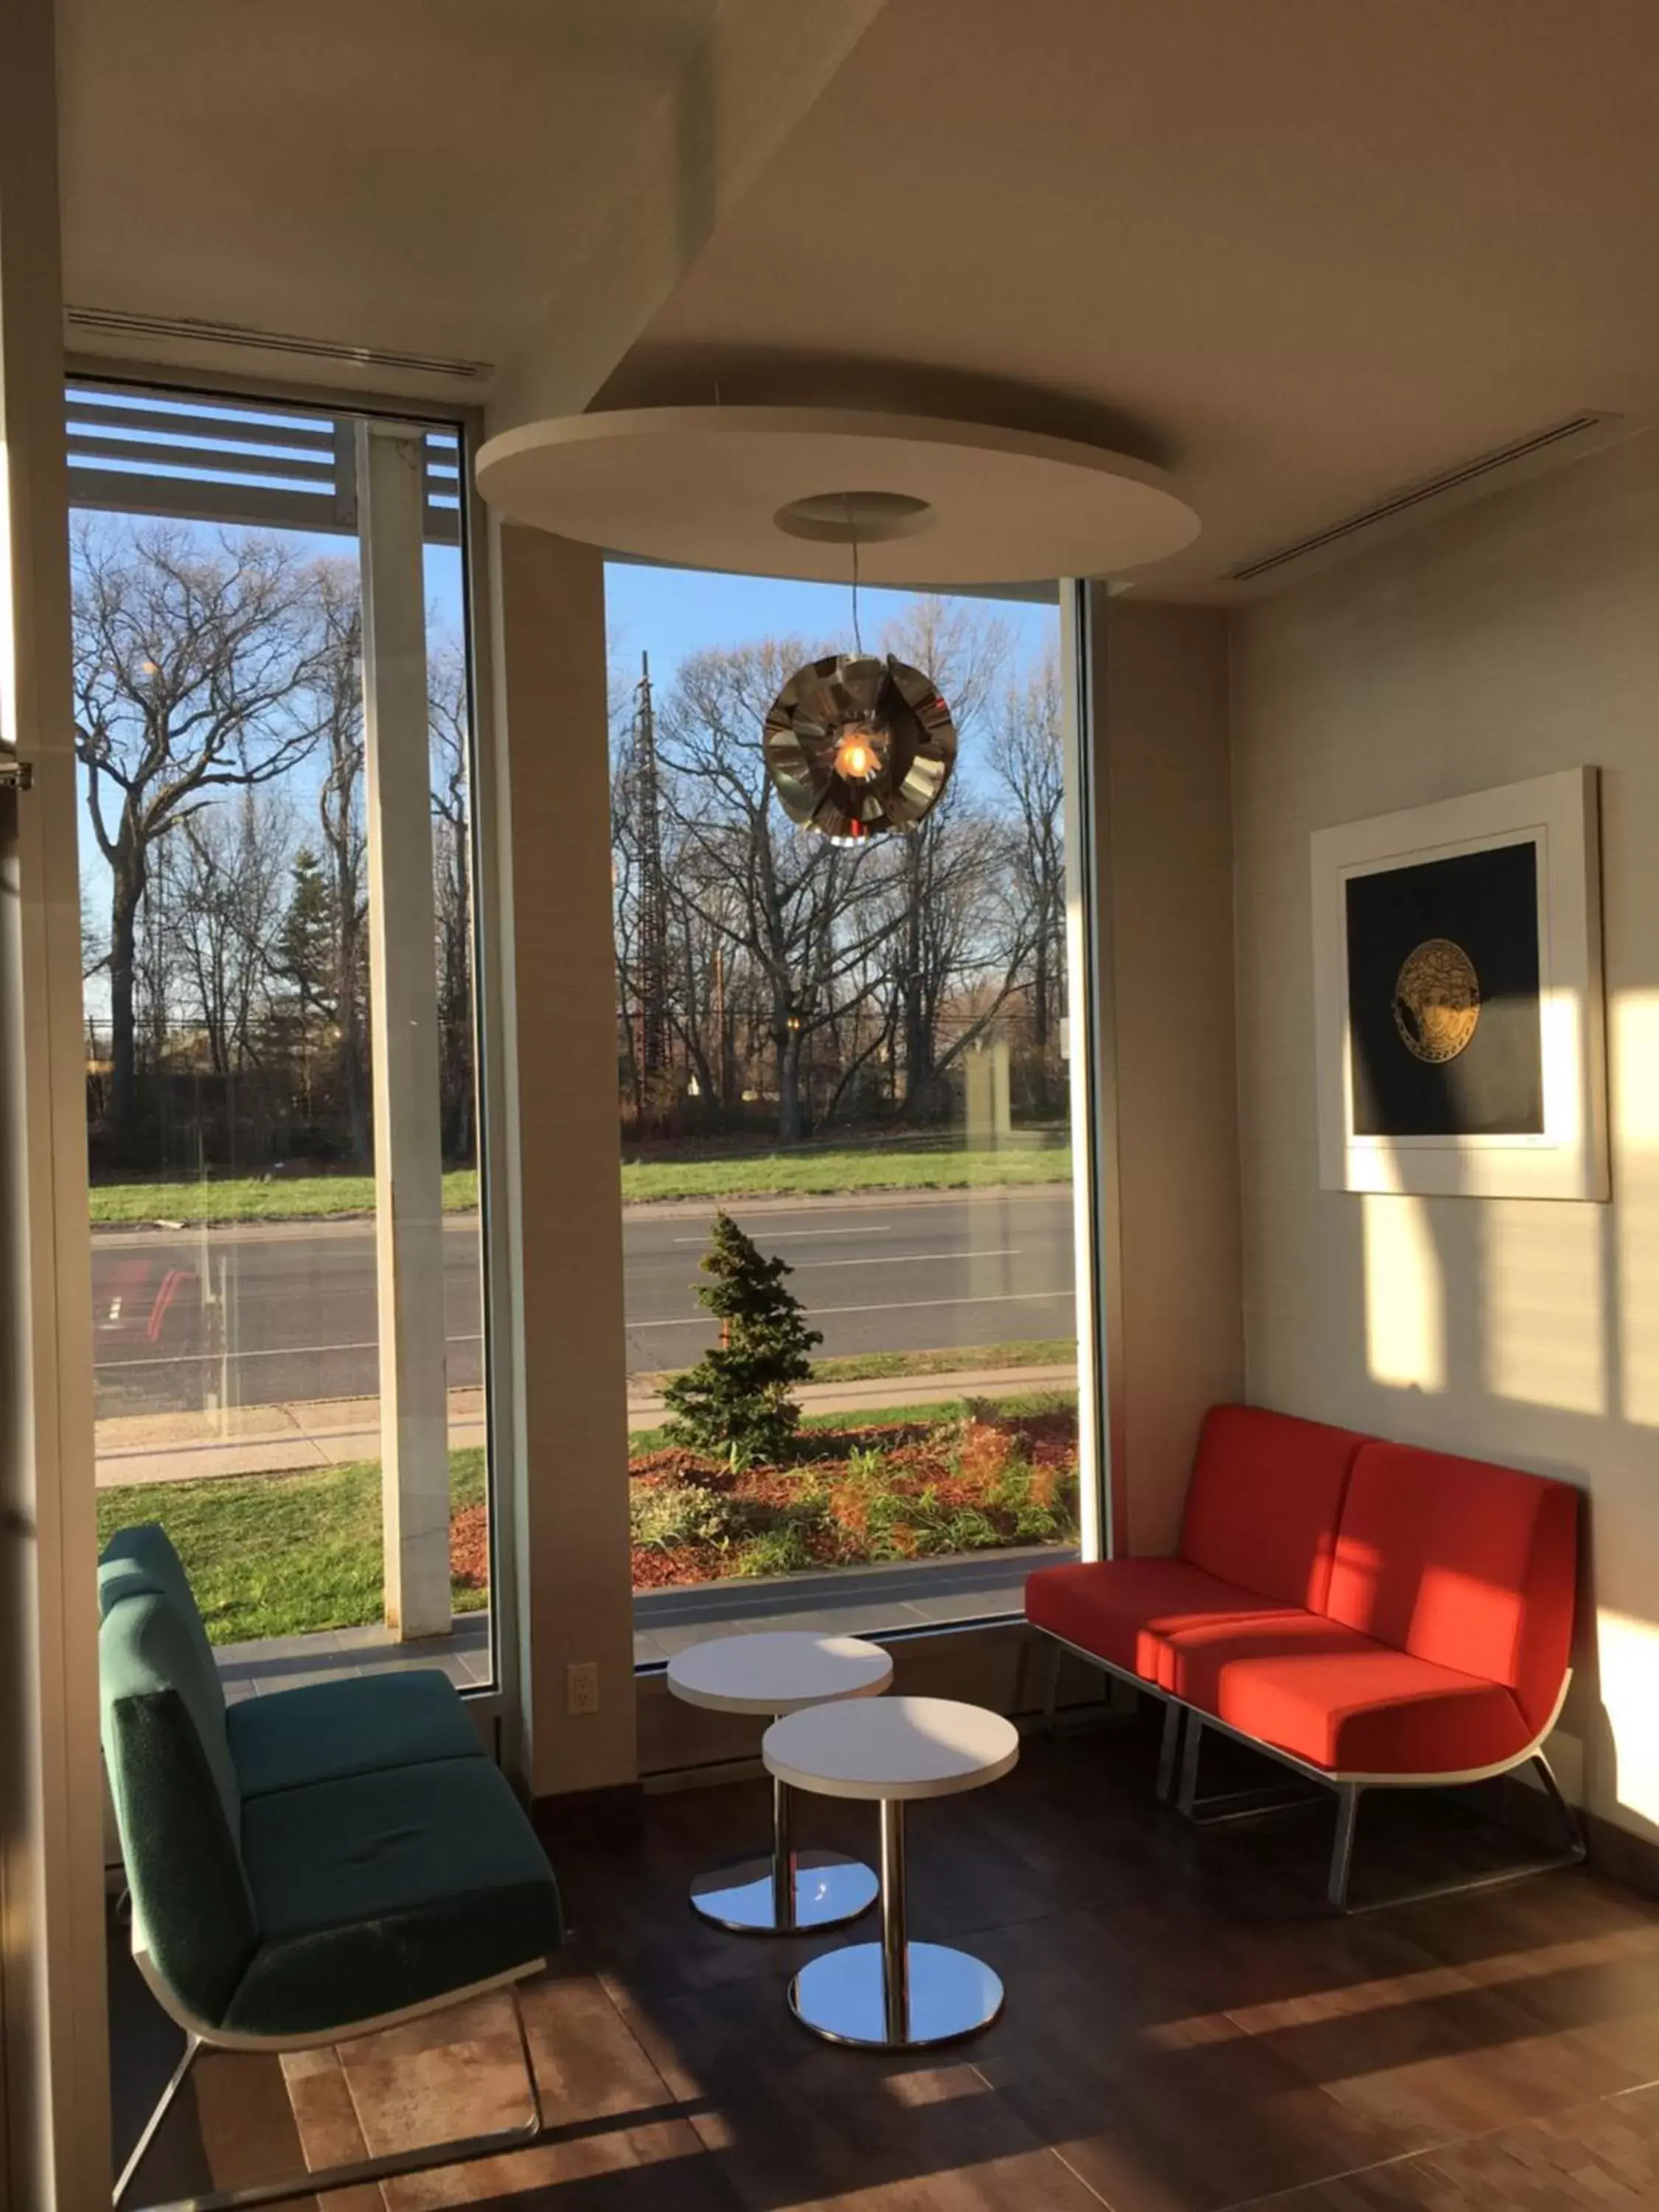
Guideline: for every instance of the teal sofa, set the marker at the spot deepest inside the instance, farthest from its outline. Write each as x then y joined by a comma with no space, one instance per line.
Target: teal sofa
308,1865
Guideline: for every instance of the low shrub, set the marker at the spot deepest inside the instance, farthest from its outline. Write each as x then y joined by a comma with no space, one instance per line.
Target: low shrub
783,1550
663,1515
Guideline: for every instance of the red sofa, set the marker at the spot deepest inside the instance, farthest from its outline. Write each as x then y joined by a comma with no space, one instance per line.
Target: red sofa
1370,1615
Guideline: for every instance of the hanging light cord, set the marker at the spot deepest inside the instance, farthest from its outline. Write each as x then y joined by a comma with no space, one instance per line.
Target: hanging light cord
846,508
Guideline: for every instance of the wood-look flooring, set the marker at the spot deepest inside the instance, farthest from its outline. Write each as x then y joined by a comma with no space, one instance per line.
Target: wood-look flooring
1186,2029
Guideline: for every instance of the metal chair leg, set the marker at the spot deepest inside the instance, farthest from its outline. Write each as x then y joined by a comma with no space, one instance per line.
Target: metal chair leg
1168,1750
1348,1817
1051,1689
1572,1828
1571,1854
1188,1797
164,2104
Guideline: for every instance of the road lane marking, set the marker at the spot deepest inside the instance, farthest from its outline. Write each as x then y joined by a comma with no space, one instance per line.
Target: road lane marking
909,1259
269,1351
798,1235
902,1305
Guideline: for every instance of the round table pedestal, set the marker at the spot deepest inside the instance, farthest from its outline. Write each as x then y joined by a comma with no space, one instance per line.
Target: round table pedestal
843,1996
784,1891
895,1994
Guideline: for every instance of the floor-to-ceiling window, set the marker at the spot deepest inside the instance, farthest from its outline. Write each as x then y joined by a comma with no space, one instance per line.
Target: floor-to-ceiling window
240,863
859,1056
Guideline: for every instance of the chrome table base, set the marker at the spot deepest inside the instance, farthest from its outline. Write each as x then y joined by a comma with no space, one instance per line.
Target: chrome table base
785,1891
830,1890
943,1995
895,1994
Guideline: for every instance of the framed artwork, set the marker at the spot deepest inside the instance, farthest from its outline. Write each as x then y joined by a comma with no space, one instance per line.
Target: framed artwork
1457,973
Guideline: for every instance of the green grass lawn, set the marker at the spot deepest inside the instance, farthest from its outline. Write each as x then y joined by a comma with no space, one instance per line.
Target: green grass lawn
297,1197
877,1366
805,1173
872,1366
283,1555
808,1173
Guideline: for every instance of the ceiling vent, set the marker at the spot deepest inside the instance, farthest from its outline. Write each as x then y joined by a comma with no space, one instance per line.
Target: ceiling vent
111,322
1468,475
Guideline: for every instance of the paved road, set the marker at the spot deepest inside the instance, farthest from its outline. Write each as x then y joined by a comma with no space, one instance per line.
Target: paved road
295,1305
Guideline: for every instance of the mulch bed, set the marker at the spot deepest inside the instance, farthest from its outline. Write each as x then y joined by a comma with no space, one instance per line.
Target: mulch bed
957,1466
469,1547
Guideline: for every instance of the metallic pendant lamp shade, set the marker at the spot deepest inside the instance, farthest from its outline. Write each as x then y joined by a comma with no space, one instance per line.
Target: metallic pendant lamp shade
857,745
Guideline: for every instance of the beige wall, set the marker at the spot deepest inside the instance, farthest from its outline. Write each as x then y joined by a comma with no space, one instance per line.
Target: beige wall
1169,1253
1517,637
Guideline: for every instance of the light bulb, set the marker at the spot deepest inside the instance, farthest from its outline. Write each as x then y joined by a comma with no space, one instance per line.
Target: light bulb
857,757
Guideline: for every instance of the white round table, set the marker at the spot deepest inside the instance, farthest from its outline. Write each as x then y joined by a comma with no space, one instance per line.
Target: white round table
894,1995
782,1890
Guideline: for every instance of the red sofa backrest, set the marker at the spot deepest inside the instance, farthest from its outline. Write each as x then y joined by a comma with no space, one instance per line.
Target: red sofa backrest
1471,1565
1264,1502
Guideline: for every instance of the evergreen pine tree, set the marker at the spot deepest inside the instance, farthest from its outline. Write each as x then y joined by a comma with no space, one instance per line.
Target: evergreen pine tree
736,1400
308,931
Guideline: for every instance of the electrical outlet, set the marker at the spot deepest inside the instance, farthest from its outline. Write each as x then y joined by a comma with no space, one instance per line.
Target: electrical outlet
581,1686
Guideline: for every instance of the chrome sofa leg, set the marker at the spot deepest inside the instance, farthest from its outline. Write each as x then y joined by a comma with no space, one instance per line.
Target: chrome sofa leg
1347,1819
1168,1750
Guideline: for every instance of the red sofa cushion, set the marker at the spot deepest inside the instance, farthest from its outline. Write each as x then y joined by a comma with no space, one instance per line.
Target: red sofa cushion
1463,1563
1264,1501
1123,1610
1343,1701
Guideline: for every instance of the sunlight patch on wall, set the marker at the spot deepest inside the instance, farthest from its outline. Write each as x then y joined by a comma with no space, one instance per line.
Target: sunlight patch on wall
1404,1295
1629,1669
1633,1039
1540,1275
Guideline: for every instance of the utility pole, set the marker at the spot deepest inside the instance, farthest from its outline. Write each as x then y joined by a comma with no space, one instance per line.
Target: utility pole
653,900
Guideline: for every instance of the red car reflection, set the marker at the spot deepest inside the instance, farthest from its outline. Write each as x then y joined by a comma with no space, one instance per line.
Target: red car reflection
140,1306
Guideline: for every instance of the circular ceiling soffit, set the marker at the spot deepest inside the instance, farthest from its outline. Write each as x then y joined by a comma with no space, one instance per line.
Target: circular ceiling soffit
854,518
769,490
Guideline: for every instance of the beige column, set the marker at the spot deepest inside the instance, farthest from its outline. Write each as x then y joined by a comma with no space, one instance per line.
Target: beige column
54,2122
568,1462
1152,770
403,1002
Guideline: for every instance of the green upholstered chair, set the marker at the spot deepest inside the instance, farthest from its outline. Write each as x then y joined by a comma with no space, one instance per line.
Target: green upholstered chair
308,1866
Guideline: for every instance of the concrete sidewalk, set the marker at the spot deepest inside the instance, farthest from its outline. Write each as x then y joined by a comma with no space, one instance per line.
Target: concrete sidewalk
331,1431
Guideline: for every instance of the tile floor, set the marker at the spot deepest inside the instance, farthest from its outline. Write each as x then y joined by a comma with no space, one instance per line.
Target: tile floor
1187,2030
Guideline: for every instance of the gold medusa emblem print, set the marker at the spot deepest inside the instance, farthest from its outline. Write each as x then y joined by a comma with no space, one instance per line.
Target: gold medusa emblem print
1436,1001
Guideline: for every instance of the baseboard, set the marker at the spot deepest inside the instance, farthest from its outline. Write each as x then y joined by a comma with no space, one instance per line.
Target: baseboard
1615,1852
587,1815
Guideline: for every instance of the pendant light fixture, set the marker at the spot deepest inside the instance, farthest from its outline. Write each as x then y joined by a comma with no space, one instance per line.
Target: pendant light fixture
858,744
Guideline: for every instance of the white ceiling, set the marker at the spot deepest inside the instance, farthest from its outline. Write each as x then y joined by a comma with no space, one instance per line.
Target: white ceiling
405,174
1303,251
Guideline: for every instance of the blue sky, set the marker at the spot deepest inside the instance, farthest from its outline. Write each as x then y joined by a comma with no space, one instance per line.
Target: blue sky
672,612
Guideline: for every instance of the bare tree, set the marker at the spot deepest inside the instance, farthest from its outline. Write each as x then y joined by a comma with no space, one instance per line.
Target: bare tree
193,673
447,723
798,911
1029,766
337,704
947,875
226,909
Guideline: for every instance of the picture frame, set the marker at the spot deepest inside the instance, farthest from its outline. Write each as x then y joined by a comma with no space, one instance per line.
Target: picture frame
1459,1021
